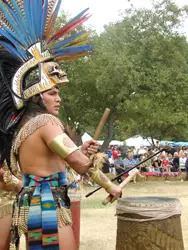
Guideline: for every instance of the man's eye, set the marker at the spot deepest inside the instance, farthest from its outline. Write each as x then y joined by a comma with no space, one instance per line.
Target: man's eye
51,93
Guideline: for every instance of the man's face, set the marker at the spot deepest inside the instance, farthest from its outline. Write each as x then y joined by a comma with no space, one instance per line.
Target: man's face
130,156
52,100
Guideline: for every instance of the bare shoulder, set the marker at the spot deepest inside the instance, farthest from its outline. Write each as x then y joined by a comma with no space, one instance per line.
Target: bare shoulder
51,128
44,125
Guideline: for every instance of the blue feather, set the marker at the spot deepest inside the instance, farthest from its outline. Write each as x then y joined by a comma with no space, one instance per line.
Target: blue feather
21,20
9,18
13,37
29,20
35,7
68,40
39,18
78,16
72,50
11,49
44,13
16,44
19,31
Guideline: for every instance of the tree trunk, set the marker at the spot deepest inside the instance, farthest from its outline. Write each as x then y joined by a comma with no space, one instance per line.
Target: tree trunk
110,135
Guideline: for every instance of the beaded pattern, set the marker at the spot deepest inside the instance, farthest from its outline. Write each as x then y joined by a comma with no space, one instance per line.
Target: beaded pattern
32,125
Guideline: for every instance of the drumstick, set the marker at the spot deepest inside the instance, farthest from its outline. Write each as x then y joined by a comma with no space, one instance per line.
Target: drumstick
101,124
122,185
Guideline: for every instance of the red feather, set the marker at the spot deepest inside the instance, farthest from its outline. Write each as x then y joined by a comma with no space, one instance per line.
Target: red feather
67,28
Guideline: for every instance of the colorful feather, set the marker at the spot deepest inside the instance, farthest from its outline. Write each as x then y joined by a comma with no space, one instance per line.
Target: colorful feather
44,17
72,50
51,7
68,28
68,40
78,16
11,49
53,18
71,57
28,19
26,22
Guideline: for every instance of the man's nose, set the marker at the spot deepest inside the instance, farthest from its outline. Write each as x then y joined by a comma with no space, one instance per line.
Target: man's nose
58,98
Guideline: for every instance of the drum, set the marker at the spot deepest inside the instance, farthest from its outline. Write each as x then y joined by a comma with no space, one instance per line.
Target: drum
149,223
75,212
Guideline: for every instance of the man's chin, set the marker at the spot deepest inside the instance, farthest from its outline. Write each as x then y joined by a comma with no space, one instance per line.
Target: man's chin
55,112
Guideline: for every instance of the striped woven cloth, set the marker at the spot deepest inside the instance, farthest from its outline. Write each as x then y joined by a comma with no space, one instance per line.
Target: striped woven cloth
42,220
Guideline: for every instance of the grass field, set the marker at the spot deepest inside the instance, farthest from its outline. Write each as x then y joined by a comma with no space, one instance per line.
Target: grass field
98,222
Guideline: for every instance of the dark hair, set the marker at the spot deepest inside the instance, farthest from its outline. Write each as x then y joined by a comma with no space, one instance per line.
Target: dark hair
33,108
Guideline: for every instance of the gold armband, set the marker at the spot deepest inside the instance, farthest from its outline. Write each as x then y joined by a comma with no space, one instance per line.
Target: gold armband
62,145
96,174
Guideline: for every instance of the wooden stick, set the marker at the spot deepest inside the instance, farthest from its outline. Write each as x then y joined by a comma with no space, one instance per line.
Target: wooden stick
122,185
101,123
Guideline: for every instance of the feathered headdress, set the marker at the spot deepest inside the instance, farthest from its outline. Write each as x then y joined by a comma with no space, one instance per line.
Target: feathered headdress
27,42
27,26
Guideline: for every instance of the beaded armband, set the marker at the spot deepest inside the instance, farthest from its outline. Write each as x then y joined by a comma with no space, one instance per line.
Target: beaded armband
62,145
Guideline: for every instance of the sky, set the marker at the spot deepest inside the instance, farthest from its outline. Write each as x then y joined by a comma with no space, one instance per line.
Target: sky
106,11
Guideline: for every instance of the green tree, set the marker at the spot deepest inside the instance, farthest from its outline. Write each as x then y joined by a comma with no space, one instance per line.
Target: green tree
139,70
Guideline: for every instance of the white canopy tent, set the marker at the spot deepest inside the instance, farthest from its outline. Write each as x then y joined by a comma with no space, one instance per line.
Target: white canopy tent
113,143
87,137
139,141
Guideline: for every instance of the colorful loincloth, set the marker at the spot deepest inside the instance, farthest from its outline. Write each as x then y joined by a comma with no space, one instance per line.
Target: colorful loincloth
41,206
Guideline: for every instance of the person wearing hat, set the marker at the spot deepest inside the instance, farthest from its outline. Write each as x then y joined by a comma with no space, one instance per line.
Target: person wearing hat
35,144
118,164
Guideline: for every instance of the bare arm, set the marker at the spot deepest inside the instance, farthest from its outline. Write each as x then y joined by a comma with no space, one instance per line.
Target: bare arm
61,144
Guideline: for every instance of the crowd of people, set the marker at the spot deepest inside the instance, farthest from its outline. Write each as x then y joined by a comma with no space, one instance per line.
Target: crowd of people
170,162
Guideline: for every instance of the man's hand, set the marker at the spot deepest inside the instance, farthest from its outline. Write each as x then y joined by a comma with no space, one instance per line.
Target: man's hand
115,192
90,147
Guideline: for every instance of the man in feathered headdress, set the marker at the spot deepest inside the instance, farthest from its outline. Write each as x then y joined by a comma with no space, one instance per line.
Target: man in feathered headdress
31,134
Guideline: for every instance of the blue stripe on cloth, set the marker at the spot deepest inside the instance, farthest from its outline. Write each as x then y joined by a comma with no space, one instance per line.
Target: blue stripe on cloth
42,218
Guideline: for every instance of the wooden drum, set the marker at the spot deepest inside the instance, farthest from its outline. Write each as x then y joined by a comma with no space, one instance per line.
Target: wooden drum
149,223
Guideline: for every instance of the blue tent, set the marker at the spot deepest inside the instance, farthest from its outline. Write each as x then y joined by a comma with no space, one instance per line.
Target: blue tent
181,143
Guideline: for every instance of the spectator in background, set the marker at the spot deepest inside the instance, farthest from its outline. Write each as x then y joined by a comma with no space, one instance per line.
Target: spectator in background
183,151
157,164
118,164
115,152
109,152
166,164
178,149
170,159
176,162
129,161
182,160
